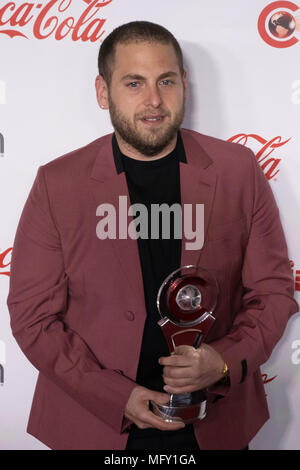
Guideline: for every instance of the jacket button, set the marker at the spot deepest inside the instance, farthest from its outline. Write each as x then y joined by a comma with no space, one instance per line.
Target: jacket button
129,315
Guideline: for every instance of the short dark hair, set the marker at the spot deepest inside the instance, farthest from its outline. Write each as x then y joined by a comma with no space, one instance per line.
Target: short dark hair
135,31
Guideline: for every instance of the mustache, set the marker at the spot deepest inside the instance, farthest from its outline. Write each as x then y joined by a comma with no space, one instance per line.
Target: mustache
156,112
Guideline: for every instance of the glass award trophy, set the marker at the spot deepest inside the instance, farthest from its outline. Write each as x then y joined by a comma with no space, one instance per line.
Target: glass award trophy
186,301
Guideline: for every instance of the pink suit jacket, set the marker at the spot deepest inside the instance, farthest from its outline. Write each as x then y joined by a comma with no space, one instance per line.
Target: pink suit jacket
77,302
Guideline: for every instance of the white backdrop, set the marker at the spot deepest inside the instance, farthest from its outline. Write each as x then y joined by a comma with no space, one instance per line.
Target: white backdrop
239,84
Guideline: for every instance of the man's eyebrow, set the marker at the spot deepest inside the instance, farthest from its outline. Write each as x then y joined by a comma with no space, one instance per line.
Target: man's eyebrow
135,76
168,74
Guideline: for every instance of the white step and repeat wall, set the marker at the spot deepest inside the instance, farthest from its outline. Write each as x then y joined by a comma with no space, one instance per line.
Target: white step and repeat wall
244,71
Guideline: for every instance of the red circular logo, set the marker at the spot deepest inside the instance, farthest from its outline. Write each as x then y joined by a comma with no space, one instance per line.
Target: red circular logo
278,23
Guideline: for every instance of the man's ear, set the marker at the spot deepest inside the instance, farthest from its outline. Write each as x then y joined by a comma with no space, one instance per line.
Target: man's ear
101,92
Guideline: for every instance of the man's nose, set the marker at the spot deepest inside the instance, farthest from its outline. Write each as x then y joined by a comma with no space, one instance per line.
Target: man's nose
153,97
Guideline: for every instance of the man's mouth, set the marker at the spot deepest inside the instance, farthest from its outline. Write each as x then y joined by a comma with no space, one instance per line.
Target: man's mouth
153,120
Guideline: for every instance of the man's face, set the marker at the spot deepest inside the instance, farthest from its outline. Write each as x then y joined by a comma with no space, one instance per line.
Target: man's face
146,96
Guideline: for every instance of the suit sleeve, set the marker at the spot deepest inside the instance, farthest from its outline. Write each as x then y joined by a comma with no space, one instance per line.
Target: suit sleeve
268,289
37,301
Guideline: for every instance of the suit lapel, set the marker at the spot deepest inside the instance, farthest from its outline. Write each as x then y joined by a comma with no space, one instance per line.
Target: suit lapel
106,187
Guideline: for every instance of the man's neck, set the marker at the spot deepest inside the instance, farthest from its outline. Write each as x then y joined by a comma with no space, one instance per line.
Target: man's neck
131,152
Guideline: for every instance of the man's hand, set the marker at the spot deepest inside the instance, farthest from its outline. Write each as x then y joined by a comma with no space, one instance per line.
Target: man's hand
189,369
137,409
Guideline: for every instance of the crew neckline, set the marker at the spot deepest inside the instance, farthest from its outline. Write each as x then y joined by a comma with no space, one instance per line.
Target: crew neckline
172,156
120,162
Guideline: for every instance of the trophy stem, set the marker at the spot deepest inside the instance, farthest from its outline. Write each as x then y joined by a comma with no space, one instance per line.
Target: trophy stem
171,399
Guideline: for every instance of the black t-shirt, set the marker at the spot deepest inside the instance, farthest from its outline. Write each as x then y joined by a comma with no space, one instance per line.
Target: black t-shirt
154,182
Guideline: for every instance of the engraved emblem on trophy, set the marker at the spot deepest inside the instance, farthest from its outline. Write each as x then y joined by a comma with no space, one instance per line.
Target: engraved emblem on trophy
186,301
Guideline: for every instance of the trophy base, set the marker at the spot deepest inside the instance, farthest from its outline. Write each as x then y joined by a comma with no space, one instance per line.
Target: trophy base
173,414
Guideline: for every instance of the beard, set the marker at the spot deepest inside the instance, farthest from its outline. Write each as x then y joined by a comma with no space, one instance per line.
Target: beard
153,140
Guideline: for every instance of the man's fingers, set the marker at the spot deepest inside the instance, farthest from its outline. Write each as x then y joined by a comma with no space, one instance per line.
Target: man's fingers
180,390
178,372
160,398
153,421
185,350
149,419
178,382
175,361
137,409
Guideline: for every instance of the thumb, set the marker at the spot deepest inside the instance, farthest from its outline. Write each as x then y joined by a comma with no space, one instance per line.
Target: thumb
161,398
184,349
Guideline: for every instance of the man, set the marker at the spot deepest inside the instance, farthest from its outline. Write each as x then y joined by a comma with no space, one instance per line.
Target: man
85,313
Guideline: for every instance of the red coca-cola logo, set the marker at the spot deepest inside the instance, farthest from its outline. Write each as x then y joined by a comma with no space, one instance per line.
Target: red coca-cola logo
53,19
265,149
266,378
3,262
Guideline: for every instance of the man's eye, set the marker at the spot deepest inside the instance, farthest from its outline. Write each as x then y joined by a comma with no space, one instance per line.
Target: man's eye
166,82
133,84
